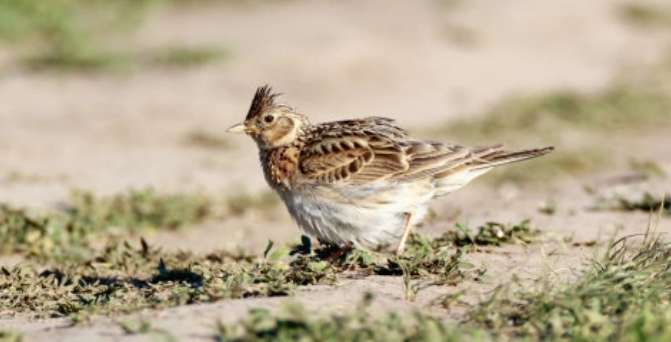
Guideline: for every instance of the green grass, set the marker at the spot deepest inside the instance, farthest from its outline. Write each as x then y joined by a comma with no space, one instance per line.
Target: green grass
647,203
74,230
86,221
578,124
623,296
67,34
78,35
296,324
10,336
493,234
645,15
123,278
619,107
647,168
183,56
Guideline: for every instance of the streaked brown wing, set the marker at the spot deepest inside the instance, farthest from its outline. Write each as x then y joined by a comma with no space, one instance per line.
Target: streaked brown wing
360,151
371,149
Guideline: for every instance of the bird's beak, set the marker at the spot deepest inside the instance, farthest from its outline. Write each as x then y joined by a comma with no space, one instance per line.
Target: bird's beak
239,128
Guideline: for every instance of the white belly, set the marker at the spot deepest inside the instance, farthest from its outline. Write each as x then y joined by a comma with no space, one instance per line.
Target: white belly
370,217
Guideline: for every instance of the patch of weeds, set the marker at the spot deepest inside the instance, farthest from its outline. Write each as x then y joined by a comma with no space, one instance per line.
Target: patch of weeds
646,202
430,261
183,56
648,168
624,106
79,60
492,234
78,226
621,106
436,261
141,209
617,297
124,279
10,336
207,140
144,327
423,264
448,300
426,261
433,260
71,232
67,33
624,295
78,35
296,324
645,15
131,327
651,324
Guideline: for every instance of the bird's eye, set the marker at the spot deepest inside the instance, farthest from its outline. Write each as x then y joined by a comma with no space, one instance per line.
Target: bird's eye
268,118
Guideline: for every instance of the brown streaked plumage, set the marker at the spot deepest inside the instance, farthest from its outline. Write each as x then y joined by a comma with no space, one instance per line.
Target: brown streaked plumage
361,182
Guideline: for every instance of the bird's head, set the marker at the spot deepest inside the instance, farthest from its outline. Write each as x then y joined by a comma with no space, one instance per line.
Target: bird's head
270,124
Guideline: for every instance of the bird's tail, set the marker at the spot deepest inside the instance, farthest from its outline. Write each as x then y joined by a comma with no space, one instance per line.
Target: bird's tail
500,157
486,159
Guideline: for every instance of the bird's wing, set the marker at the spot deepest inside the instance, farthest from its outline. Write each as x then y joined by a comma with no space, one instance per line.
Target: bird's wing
371,149
359,151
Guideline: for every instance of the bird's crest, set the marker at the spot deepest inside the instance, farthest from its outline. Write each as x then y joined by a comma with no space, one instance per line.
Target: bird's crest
264,98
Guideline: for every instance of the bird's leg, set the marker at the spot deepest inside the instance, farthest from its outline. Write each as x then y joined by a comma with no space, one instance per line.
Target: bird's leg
406,233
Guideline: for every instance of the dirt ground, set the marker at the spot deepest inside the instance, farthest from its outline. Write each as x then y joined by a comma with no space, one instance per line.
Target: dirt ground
422,63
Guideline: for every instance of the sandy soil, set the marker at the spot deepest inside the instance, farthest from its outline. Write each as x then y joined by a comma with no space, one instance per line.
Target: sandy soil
422,63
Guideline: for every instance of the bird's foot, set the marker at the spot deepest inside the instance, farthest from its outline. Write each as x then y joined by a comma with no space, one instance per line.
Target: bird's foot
334,253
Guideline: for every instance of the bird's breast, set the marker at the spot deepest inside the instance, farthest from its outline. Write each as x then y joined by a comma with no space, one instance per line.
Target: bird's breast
280,165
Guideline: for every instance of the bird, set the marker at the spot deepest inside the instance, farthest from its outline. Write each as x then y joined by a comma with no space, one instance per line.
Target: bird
360,183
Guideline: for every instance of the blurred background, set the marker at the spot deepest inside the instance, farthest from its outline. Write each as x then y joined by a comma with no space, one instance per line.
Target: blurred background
106,95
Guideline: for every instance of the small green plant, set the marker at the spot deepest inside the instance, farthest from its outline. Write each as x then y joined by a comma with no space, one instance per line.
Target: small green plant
624,106
616,298
647,202
10,336
131,327
122,278
296,324
71,231
67,33
79,35
620,106
647,168
624,295
645,15
182,56
492,233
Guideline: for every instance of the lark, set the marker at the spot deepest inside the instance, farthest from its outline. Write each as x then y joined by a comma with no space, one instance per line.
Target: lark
361,183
